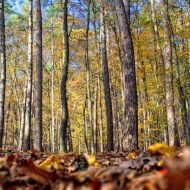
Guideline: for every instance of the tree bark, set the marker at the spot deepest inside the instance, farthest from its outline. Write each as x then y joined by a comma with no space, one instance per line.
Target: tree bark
29,80
22,123
88,79
38,109
3,70
85,126
108,102
52,91
187,2
95,116
159,68
100,116
182,97
131,103
168,76
64,124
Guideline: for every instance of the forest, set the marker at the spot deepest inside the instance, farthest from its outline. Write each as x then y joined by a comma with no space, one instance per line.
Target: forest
94,76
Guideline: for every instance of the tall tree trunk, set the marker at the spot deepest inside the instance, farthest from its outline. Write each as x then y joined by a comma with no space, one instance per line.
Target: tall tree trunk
88,79
3,70
188,24
101,119
159,67
85,126
38,109
22,123
169,76
182,97
29,80
52,91
127,9
107,95
64,124
131,103
95,116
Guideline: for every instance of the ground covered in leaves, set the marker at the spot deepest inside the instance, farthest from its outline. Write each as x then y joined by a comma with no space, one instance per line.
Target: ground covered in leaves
159,168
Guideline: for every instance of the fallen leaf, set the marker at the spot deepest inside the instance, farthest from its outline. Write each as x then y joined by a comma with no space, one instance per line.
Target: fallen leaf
162,149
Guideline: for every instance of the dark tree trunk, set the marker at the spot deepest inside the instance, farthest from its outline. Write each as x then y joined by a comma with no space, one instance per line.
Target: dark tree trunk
64,124
29,80
107,95
131,103
3,70
38,109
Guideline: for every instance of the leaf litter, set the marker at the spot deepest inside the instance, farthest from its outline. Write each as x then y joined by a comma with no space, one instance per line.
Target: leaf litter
159,168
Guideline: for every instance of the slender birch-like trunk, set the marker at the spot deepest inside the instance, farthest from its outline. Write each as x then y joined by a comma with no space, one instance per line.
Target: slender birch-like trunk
29,80
3,71
168,76
38,108
88,79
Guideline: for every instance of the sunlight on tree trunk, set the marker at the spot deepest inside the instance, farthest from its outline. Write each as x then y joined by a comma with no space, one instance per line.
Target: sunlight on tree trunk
29,80
169,77
22,123
38,109
131,103
88,80
3,71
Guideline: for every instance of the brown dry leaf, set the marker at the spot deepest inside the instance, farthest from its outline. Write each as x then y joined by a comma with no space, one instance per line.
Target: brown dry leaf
132,164
113,154
11,159
178,175
36,173
3,175
110,186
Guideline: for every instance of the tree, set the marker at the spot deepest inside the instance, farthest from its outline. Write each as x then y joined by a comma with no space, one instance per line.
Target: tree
93,148
131,103
169,76
107,95
38,108
64,119
3,71
29,79
187,3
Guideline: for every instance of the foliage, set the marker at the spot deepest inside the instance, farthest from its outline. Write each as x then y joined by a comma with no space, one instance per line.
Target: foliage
149,71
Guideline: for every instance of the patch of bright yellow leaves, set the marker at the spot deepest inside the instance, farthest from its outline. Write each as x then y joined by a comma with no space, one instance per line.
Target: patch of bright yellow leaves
162,149
92,160
51,162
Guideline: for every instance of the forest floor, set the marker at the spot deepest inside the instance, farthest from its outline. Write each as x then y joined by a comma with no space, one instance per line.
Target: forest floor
159,168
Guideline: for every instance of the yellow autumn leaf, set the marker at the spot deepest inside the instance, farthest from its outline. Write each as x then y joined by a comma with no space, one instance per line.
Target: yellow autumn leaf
132,155
52,162
92,160
162,149
96,164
